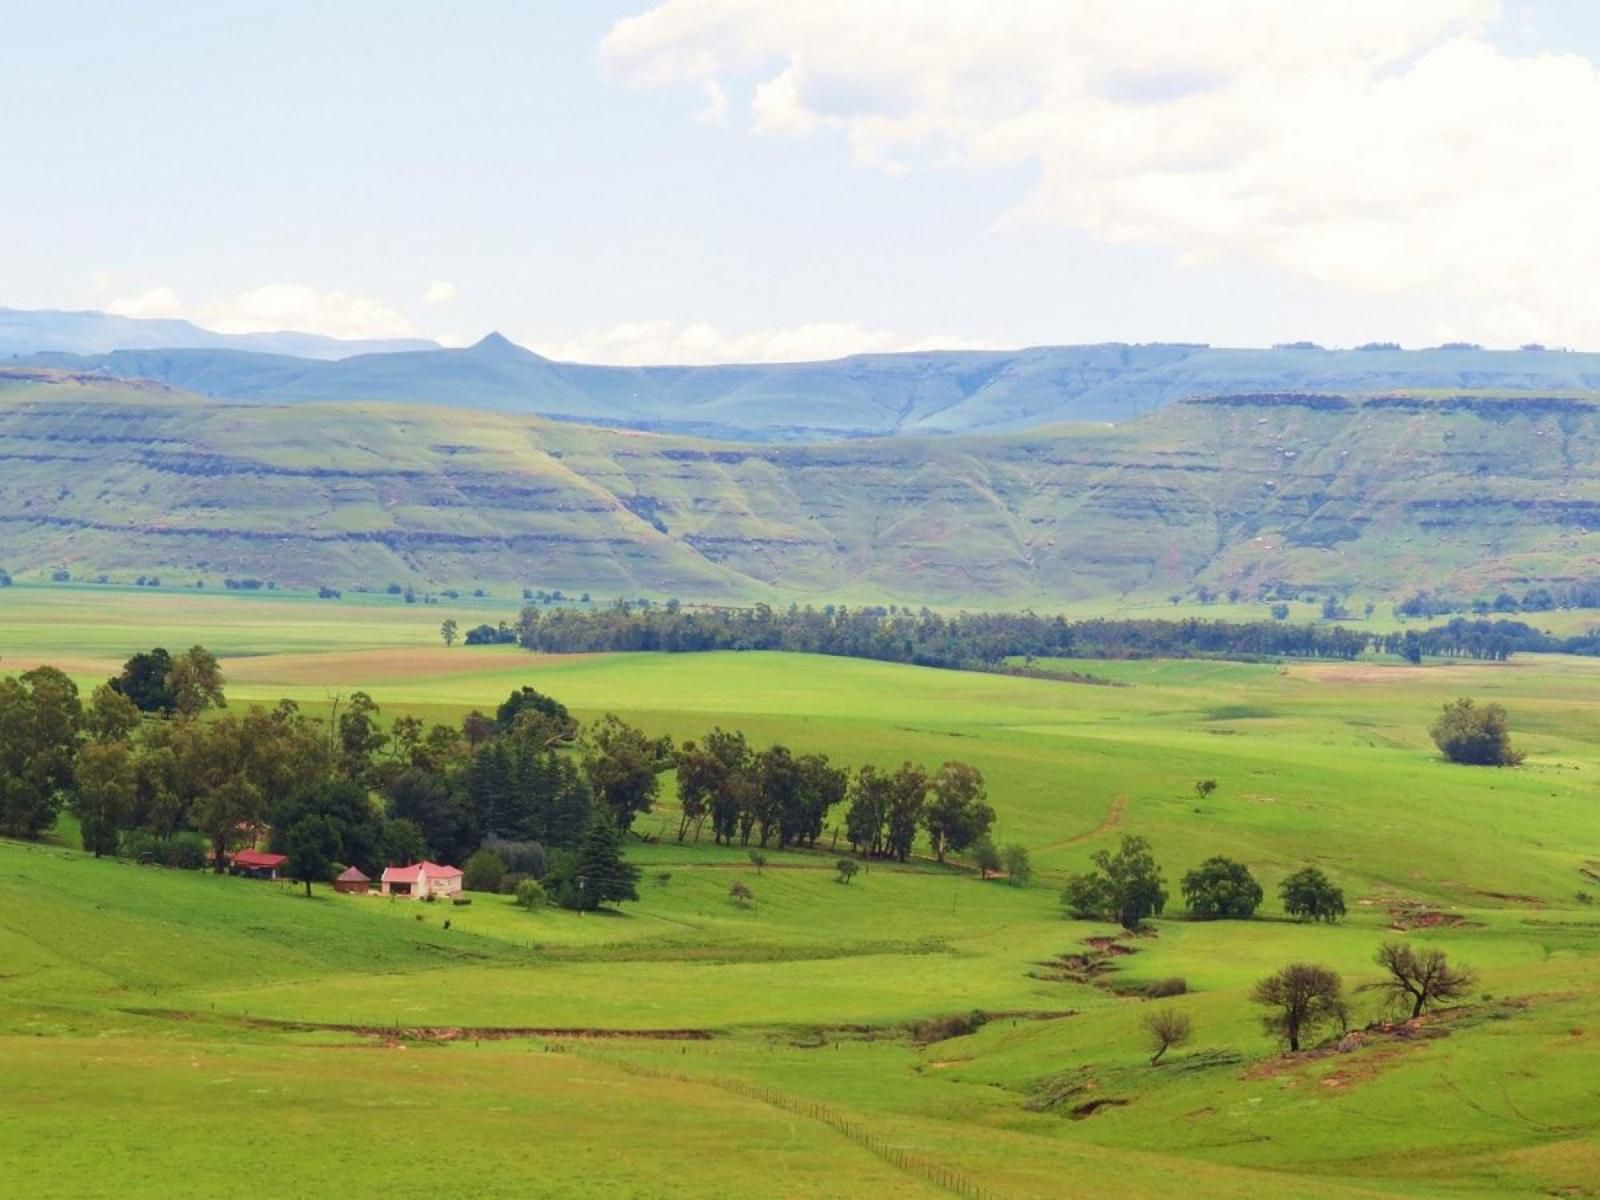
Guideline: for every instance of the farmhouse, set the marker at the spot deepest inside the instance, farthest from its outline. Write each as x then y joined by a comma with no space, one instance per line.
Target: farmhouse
352,881
257,864
420,881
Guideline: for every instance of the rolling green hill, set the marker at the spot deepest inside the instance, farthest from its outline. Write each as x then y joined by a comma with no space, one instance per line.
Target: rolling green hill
866,395
1382,495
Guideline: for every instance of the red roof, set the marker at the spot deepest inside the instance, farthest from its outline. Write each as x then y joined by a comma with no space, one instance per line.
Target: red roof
415,871
353,875
259,859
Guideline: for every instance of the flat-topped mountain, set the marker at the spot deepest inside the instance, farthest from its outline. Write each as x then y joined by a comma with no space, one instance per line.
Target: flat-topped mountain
1383,494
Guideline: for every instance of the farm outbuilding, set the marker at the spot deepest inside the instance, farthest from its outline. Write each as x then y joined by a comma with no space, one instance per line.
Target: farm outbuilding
352,881
258,864
421,881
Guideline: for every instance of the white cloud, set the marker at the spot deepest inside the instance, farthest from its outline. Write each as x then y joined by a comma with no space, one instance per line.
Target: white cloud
1379,149
156,302
439,293
275,308
281,306
666,343
716,110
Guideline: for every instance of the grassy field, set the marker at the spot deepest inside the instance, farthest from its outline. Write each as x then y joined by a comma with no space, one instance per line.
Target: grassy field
769,1048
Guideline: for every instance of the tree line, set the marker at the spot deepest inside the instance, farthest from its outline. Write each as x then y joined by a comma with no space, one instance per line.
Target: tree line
997,641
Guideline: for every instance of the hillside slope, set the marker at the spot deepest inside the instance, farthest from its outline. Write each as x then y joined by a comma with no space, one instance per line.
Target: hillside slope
1382,494
867,395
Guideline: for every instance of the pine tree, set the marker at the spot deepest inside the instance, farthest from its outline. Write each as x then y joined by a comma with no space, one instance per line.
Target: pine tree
600,871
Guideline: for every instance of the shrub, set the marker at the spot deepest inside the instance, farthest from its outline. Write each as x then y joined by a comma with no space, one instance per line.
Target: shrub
938,1029
847,868
663,878
741,893
531,895
1018,867
483,872
986,857
1474,736
1159,989
183,851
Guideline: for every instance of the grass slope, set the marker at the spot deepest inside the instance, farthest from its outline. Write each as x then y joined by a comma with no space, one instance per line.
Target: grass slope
148,1017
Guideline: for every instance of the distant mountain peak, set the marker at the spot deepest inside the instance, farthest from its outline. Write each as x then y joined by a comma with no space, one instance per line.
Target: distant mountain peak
498,344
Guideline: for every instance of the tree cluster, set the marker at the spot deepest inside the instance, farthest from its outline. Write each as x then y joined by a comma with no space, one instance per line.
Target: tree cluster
972,641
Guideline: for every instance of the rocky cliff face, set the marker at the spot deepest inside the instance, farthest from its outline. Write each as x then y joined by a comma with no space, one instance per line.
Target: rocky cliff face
1385,494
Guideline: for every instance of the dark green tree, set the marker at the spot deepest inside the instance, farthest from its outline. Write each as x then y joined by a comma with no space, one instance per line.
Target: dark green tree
1127,888
40,719
345,805
1309,895
956,815
143,680
313,846
623,766
869,810
822,787
1221,888
104,789
599,870
908,793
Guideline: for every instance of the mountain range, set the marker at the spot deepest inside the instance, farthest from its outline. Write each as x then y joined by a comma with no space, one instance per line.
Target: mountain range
1381,495
874,395
30,331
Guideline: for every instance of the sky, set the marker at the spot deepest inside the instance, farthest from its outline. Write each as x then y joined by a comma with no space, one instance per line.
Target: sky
728,180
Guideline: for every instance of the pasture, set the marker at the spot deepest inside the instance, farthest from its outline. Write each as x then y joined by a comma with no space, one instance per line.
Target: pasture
153,1021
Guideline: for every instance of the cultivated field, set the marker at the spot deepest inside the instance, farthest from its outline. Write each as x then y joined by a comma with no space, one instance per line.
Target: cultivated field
154,1024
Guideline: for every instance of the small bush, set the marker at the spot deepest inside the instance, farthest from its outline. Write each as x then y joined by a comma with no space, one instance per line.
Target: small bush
663,878
531,895
938,1029
740,893
1158,989
182,851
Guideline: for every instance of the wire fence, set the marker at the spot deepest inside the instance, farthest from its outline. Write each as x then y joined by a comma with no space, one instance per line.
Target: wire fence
922,1167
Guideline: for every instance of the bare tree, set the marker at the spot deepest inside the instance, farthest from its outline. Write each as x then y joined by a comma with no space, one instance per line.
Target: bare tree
1300,998
1164,1029
1420,977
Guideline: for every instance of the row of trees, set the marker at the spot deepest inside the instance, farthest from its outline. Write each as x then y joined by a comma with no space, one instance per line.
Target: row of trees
1127,886
987,641
968,640
784,799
